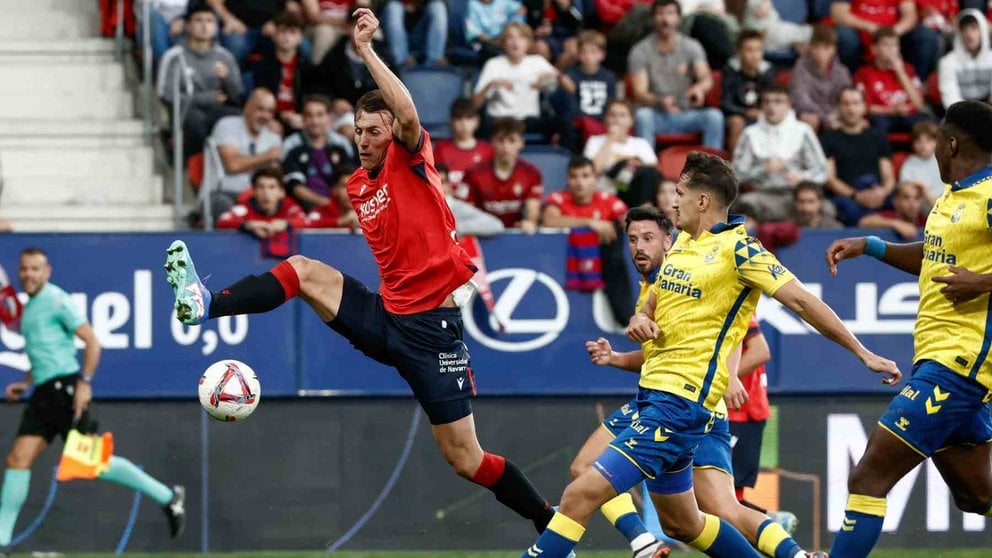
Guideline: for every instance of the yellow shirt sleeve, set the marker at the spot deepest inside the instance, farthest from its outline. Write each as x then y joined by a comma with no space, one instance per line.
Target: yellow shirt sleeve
759,268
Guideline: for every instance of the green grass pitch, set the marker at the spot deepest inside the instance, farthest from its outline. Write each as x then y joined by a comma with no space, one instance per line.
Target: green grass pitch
932,553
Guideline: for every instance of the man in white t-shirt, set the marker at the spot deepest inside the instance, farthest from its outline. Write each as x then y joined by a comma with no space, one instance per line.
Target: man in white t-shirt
623,162
510,86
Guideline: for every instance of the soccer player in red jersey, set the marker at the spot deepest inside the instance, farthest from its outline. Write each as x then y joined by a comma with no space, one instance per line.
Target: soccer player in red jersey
413,323
508,186
463,151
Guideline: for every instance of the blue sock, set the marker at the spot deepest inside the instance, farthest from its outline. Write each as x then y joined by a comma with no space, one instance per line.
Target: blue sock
622,514
720,540
125,473
772,540
12,497
861,528
558,539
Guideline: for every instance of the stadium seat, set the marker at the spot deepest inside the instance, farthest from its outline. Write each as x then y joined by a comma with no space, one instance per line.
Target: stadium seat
898,158
900,139
433,91
672,159
665,140
715,92
933,91
194,170
821,9
553,162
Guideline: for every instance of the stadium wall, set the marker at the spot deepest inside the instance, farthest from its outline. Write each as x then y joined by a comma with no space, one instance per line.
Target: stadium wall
355,473
118,280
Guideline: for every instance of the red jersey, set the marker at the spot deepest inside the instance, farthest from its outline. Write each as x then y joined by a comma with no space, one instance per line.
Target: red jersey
882,87
881,12
285,98
410,229
246,210
756,383
504,198
459,160
603,206
339,9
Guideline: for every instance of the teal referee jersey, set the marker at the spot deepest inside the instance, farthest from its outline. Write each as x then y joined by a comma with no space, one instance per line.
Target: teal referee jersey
48,324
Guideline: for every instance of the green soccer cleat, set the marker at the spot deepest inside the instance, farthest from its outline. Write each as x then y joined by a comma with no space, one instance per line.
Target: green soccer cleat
192,298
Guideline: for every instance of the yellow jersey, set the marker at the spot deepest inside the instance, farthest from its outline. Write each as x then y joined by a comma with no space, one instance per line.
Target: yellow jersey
705,296
958,233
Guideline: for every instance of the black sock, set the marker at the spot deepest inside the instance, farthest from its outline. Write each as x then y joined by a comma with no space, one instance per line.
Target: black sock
253,294
515,491
754,507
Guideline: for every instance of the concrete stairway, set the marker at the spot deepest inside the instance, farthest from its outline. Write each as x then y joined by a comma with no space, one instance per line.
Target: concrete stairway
72,156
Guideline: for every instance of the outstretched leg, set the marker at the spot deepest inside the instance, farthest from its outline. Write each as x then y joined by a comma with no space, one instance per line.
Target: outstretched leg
460,446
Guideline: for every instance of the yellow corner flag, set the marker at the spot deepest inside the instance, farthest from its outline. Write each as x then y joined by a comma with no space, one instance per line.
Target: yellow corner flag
86,456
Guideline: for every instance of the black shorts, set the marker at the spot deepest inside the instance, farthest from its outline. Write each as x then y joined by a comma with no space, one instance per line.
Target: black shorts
49,411
425,348
746,451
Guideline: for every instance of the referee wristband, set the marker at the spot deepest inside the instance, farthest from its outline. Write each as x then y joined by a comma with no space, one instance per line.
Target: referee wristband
874,247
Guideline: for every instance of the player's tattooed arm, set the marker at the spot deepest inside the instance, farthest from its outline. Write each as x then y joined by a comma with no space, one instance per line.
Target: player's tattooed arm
907,257
794,296
406,126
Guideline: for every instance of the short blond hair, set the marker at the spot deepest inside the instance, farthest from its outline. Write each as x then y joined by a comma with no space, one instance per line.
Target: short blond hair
592,37
522,28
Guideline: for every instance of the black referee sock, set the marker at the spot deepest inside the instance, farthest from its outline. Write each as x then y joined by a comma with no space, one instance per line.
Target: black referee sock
515,491
253,294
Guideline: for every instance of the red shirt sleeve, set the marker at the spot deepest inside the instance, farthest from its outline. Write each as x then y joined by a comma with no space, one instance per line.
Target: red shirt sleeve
471,192
556,199
295,216
233,218
617,208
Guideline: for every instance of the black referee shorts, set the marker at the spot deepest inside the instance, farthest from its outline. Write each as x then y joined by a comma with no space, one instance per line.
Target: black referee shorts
49,411
426,348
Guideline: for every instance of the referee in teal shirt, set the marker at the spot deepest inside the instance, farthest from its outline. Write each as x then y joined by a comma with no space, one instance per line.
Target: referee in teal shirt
61,397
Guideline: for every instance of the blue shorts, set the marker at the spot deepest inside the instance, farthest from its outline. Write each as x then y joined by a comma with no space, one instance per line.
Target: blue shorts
939,409
658,445
426,348
713,452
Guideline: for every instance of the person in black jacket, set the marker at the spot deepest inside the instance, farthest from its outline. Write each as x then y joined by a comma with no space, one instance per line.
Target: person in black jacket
285,70
743,77
342,74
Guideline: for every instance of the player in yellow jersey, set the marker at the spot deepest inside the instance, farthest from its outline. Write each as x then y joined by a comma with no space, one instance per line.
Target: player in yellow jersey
696,314
943,412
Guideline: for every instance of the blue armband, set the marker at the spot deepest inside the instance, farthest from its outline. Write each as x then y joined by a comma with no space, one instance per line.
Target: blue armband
874,247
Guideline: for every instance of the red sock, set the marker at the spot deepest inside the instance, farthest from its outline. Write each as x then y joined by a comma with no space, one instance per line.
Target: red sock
490,470
287,277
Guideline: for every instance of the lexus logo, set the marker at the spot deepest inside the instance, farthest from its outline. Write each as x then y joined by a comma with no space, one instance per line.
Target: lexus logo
539,332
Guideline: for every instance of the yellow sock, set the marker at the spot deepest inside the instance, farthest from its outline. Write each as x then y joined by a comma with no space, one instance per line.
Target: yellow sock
618,507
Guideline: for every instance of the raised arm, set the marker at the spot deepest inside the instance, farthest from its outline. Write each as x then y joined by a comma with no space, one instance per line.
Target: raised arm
406,126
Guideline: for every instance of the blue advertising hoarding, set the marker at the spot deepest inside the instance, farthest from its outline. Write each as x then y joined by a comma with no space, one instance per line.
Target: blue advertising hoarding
533,346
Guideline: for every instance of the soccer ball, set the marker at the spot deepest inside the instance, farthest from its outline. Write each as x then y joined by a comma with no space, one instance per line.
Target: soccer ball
229,390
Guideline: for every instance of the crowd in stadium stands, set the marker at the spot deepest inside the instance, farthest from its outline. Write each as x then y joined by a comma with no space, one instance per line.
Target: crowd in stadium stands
828,112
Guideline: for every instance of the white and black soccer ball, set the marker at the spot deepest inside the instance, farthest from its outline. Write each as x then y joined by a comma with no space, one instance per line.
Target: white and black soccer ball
229,390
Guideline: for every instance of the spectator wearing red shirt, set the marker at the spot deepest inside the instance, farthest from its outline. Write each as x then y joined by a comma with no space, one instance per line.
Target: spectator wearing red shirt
582,205
892,91
747,425
907,217
508,186
858,20
938,15
463,151
284,70
267,214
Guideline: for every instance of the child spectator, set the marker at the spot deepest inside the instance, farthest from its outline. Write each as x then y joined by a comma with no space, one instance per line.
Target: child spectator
808,209
921,166
581,205
485,22
469,220
556,24
592,85
893,92
761,16
463,151
508,187
510,86
907,217
965,73
625,163
665,200
743,78
775,155
283,70
267,214
857,20
817,80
